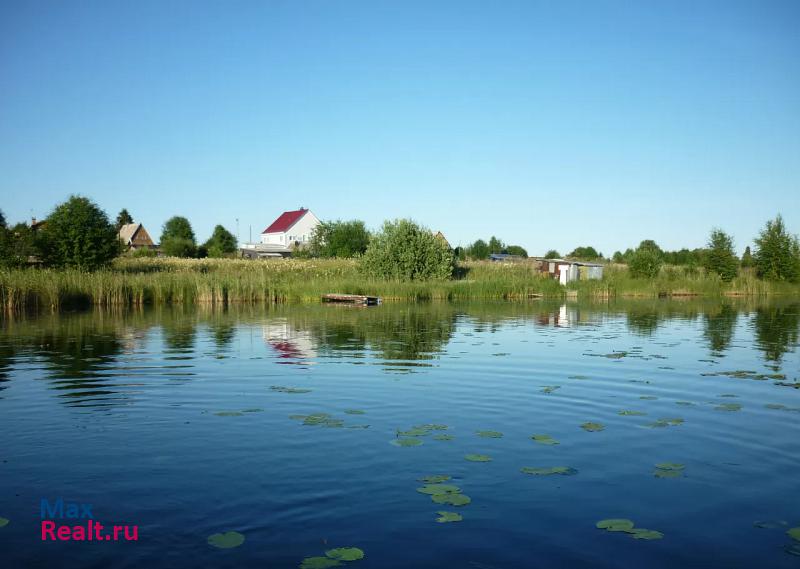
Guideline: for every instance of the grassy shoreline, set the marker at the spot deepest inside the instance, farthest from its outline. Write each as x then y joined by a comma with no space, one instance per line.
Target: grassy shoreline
139,282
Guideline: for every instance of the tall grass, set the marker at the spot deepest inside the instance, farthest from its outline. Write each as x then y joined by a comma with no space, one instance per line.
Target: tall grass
143,281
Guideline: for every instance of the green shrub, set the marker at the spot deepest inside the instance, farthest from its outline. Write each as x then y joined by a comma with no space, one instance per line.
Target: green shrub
720,258
646,261
177,238
404,251
777,255
339,239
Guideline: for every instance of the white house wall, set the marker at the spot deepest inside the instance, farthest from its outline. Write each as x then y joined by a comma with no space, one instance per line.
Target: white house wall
301,231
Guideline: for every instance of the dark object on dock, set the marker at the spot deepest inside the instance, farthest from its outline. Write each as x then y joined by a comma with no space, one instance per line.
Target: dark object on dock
351,299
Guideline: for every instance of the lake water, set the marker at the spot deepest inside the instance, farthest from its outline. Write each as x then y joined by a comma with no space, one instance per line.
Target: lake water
170,420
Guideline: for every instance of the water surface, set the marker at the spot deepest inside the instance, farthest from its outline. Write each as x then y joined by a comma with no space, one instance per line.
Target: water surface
177,421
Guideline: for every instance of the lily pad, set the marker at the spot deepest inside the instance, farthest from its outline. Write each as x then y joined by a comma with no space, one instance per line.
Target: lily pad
490,434
659,473
670,466
414,432
550,388
579,377
226,540
354,411
728,407
544,440
592,427
648,397
4,522
319,563
253,410
684,403
641,533
536,471
410,442
451,499
437,489
794,533
345,553
478,458
228,413
435,478
626,412
447,517
443,437
615,524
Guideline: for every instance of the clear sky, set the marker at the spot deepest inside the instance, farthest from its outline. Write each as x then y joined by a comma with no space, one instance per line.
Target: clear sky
550,124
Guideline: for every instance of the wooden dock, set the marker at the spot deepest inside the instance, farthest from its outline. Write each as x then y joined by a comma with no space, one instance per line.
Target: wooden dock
351,299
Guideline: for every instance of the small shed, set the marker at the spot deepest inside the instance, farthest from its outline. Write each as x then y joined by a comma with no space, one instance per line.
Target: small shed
566,271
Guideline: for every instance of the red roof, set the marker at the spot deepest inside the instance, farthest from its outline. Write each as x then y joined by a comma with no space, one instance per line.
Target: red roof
285,221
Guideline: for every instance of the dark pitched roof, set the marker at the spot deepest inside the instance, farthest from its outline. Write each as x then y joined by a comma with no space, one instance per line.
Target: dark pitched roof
285,221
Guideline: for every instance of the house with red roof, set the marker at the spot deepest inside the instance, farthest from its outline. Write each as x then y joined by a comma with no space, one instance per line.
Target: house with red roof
291,228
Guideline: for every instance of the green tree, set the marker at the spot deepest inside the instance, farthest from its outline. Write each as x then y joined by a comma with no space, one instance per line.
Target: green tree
78,234
552,254
123,218
221,243
617,257
496,246
516,250
585,254
777,255
646,261
478,250
747,258
342,239
720,257
405,251
177,238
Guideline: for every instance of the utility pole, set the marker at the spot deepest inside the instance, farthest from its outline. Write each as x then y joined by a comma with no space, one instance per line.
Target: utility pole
237,231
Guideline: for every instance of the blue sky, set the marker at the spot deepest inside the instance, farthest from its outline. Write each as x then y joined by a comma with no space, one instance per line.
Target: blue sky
550,124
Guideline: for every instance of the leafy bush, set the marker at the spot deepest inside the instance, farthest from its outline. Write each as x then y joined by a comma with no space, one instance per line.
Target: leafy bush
585,254
221,243
720,258
177,238
552,254
777,255
405,251
339,239
78,235
646,261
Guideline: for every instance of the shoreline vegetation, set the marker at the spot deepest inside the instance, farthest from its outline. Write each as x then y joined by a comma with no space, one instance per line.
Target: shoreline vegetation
173,281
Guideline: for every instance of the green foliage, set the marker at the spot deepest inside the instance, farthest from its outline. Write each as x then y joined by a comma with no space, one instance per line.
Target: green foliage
516,250
552,254
177,238
496,246
720,258
142,253
78,235
585,254
747,258
17,245
777,255
339,239
617,257
646,261
405,251
478,250
123,218
221,243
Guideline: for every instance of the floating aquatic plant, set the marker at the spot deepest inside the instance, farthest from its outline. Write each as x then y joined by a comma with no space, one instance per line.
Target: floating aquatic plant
562,470
674,422
579,377
627,526
544,439
253,410
228,413
437,489
648,397
592,427
226,540
345,553
447,517
408,442
728,407
435,478
413,432
794,533
684,403
319,563
669,470
451,499
284,389
478,458
4,522
490,434
626,412
443,437
550,388
772,524
792,549
354,411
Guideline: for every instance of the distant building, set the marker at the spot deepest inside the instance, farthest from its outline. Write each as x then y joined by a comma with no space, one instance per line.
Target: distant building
440,236
291,228
565,271
135,236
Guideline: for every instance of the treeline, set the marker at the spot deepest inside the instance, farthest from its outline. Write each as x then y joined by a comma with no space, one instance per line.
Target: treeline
78,234
480,249
776,256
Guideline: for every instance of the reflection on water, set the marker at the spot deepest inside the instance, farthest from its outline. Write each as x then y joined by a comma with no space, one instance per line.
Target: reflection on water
80,352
